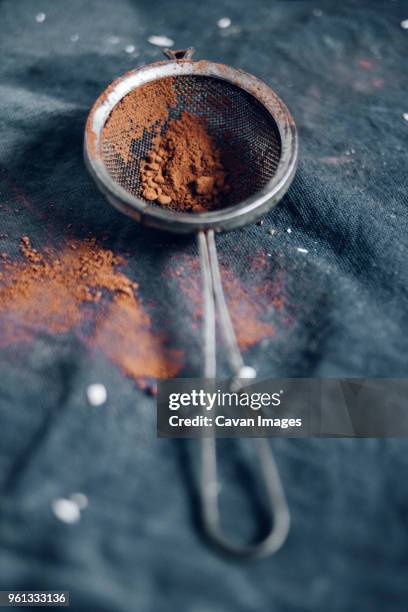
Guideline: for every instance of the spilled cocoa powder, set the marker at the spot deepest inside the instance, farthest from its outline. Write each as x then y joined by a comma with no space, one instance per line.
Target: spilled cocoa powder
53,292
80,289
124,334
252,302
183,170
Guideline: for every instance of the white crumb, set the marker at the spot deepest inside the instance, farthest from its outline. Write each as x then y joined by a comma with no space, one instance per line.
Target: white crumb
66,510
96,394
160,41
224,22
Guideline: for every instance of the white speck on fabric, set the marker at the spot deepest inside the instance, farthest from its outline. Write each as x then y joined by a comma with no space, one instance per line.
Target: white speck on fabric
160,41
224,22
66,510
96,394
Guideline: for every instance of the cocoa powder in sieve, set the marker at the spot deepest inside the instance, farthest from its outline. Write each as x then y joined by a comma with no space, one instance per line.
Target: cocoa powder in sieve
144,108
184,169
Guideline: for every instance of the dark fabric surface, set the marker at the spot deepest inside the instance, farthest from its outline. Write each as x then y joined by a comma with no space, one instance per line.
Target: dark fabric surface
341,69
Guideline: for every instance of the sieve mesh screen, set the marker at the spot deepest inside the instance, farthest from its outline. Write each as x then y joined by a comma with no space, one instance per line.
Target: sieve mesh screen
240,125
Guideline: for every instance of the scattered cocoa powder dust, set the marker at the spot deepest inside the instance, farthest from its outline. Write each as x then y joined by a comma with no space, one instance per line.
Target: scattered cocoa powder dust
184,169
146,107
125,336
49,292
249,308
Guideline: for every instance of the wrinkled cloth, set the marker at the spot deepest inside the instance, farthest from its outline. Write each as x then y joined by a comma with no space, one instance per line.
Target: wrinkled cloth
341,69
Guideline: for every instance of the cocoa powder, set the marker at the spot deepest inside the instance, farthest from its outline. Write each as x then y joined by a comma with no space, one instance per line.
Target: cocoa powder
184,169
144,108
52,292
251,311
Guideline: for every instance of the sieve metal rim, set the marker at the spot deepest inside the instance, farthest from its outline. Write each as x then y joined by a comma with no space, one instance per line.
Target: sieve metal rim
227,218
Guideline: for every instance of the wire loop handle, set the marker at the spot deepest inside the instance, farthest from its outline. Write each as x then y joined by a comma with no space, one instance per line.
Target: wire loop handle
213,297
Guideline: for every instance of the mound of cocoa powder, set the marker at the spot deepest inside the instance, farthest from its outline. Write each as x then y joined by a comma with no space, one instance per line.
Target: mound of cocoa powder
183,169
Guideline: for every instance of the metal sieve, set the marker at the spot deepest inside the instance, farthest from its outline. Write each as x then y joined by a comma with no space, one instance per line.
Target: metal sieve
245,113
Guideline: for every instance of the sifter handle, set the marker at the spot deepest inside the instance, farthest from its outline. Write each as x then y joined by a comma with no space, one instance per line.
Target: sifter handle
213,297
